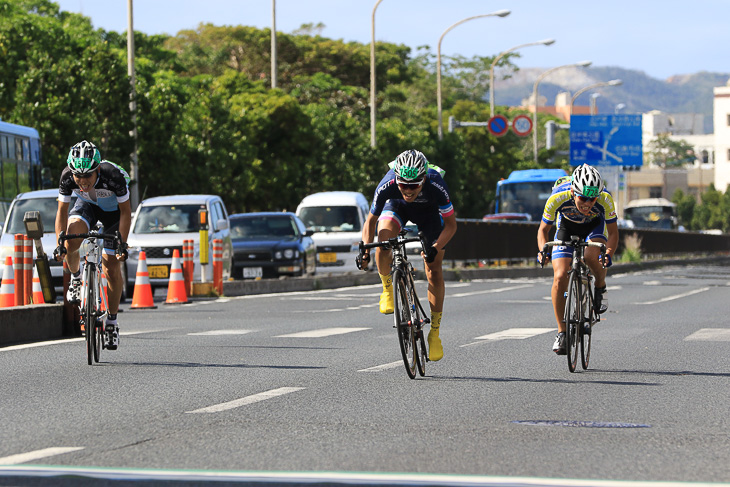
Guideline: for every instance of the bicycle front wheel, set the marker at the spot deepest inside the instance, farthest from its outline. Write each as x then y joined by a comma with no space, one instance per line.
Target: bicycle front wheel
404,323
419,321
589,318
573,320
87,313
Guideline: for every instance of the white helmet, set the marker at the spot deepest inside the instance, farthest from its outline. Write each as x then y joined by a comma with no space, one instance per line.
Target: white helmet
410,166
587,181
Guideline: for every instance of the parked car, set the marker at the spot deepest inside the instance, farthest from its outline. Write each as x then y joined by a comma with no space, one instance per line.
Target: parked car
160,225
336,218
269,245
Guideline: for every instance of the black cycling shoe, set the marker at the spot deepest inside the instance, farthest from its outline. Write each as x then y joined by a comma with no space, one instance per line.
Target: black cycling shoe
598,305
559,345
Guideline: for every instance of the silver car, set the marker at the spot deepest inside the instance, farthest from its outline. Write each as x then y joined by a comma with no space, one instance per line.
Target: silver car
161,224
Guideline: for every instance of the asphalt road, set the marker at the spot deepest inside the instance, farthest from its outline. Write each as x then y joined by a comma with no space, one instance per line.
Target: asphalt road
286,386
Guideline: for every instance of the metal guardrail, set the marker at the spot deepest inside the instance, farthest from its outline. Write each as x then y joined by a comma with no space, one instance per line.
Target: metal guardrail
489,240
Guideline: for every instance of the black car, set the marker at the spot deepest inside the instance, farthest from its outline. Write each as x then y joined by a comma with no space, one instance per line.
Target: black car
269,245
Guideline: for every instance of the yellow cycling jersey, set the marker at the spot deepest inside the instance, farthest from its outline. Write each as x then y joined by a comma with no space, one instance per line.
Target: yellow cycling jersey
561,203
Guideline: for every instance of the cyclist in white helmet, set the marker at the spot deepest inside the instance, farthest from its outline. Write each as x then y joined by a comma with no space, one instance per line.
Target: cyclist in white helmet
102,190
582,206
415,191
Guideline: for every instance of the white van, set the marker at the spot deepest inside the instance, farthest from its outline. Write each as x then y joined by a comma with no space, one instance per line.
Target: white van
336,217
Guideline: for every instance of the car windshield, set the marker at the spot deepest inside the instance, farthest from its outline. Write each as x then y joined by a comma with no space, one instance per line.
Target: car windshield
168,219
263,227
47,208
331,218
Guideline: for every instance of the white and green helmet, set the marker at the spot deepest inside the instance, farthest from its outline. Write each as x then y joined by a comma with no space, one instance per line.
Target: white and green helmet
410,166
83,158
587,181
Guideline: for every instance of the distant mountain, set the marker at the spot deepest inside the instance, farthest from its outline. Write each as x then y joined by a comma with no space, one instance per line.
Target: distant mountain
640,93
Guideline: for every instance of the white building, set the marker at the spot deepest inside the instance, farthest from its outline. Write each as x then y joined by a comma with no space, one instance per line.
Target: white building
721,119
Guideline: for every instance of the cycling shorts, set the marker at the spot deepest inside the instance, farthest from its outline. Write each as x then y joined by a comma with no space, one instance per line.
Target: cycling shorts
430,223
91,215
591,231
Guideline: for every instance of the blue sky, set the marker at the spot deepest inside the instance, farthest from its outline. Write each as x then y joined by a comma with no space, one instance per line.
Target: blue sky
661,38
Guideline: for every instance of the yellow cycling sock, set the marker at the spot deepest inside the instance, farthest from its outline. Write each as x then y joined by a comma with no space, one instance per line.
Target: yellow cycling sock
386,298
435,350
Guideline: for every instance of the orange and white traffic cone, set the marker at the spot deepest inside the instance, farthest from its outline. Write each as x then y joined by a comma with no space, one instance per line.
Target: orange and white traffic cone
142,298
176,288
105,299
7,289
37,290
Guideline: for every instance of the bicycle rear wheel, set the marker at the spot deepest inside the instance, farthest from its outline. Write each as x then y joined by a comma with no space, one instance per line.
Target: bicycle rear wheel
573,320
585,338
404,323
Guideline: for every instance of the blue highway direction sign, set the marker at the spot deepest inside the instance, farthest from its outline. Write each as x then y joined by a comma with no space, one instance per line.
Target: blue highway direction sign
613,140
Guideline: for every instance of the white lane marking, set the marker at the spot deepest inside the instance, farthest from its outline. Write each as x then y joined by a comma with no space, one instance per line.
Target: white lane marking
523,301
676,296
37,454
66,340
261,396
337,297
652,283
220,332
378,368
489,291
510,334
334,310
710,335
325,332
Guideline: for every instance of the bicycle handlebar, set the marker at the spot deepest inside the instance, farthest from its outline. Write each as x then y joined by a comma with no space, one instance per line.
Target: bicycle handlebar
573,242
116,237
391,243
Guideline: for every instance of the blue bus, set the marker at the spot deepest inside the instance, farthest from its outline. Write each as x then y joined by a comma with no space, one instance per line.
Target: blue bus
526,191
20,160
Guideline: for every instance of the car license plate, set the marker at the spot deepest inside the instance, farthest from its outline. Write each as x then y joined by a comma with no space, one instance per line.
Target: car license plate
158,271
252,272
328,257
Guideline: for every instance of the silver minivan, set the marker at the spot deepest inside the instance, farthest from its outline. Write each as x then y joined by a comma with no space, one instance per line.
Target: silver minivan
160,225
337,218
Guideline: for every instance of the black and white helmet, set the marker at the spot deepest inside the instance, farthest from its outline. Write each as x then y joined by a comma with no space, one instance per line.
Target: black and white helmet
410,166
83,158
587,181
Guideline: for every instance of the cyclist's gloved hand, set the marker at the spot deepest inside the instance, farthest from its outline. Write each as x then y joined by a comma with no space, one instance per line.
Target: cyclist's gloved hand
122,252
362,260
431,253
59,252
607,262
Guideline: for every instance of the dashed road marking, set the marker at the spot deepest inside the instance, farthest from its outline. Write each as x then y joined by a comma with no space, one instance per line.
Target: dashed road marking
510,334
325,332
261,396
37,455
710,335
379,368
220,332
676,296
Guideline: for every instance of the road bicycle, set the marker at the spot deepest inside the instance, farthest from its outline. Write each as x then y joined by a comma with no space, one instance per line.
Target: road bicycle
410,318
93,306
580,315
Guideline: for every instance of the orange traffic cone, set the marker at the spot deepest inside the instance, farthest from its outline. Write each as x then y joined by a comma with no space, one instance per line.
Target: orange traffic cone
105,299
176,289
7,289
37,290
142,298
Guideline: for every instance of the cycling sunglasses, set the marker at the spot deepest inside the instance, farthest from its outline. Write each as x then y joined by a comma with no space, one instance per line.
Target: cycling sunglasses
84,175
411,185
586,198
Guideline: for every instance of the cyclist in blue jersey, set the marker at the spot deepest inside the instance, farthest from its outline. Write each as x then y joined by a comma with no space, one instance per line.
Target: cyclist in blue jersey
102,190
581,206
412,191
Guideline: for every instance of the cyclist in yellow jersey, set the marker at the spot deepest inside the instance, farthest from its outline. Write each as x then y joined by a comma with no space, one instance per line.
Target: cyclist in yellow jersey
580,206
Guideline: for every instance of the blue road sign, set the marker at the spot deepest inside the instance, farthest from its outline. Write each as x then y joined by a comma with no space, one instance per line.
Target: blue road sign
498,125
613,140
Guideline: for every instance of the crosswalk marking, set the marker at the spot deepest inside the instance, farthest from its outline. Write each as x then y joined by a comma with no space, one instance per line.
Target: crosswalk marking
325,332
378,368
510,334
220,332
37,454
676,296
261,396
710,335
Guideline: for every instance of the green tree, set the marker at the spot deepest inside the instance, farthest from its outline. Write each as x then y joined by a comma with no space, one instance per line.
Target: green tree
667,152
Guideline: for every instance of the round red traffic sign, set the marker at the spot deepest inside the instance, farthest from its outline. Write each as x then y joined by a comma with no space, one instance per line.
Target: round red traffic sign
498,125
522,125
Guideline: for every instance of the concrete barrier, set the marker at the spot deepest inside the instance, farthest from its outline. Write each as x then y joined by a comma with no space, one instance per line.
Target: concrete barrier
22,324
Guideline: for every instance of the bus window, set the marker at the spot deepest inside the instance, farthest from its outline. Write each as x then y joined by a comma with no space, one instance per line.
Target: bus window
26,150
10,176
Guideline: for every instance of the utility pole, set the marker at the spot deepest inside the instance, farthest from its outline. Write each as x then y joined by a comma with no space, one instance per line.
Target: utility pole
134,169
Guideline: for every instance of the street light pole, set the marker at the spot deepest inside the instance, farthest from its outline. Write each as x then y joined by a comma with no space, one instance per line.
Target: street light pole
498,13
545,42
134,170
372,76
613,82
581,64
593,102
273,44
